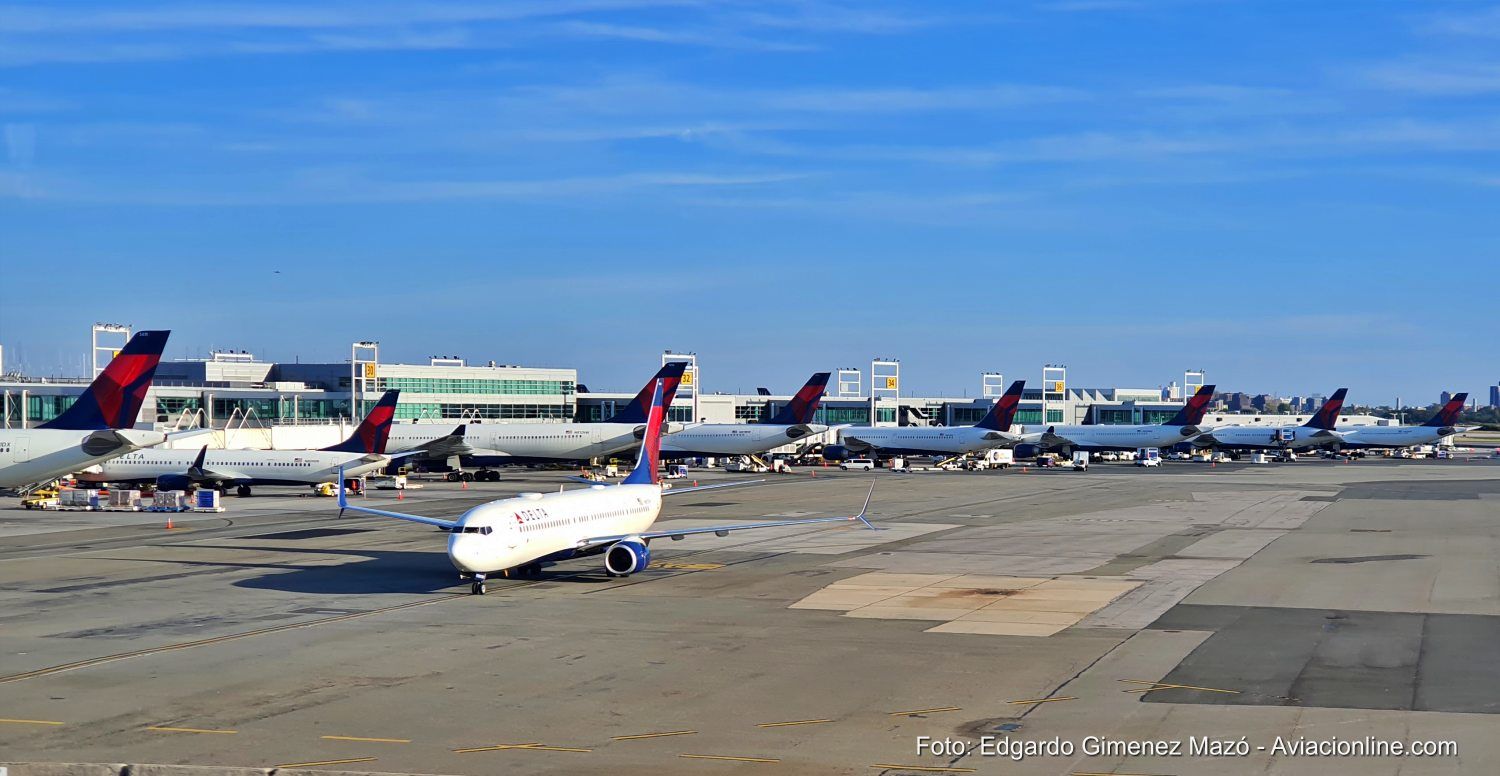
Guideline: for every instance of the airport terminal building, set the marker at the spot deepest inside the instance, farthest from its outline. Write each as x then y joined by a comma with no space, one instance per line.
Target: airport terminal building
234,391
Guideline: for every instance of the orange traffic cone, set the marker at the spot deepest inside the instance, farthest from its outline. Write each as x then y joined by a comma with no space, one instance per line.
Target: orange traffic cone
169,521
464,485
1025,470
695,483
1213,464
400,494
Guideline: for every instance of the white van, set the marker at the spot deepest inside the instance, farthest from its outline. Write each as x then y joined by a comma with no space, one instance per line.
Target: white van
858,464
1148,456
1080,461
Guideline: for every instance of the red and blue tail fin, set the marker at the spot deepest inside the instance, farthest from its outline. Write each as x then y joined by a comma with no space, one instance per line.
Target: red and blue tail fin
649,459
374,431
1003,414
1192,413
1327,415
802,406
1448,415
670,376
114,399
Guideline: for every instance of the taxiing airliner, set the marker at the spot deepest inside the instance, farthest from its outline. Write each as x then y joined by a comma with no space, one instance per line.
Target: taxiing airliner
991,431
519,535
361,453
1441,425
1181,428
1316,432
792,423
498,444
97,427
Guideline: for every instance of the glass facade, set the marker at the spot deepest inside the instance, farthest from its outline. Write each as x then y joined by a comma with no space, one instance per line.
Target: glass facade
467,385
39,409
749,413
859,416
1029,416
267,409
968,416
407,411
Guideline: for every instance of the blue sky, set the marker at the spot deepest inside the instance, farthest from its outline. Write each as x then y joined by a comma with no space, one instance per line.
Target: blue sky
1292,196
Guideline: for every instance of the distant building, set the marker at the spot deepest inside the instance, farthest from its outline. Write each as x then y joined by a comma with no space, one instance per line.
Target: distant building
1495,395
1445,397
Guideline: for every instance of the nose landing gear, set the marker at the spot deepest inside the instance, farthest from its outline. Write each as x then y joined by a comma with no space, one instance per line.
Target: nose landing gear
477,587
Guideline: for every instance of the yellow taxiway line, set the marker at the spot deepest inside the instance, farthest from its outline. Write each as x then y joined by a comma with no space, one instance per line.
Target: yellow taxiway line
316,763
729,757
793,722
924,711
640,736
924,768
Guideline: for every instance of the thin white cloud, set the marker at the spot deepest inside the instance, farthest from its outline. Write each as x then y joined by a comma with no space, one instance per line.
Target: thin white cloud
345,186
296,16
1437,79
1481,24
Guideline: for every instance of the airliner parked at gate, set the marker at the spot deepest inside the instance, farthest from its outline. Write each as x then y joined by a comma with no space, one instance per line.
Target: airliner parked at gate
98,426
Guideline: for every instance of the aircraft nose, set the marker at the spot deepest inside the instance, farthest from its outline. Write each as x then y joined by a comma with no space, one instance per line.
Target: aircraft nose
467,553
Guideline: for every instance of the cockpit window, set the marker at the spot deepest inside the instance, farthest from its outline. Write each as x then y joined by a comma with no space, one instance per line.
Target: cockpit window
476,529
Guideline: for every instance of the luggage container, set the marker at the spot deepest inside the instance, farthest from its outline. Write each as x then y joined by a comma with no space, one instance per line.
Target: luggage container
78,499
124,501
206,500
169,501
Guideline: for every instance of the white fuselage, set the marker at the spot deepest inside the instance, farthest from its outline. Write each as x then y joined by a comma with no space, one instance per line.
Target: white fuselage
542,441
1393,436
288,467
1131,437
1265,438
734,438
34,455
922,440
536,526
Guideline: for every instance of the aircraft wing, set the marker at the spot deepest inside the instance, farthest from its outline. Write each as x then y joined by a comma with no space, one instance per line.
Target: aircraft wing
723,530
447,446
713,486
672,491
198,472
446,525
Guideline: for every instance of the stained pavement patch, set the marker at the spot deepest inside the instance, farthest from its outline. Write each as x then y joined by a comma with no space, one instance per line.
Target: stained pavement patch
1337,659
1368,558
309,533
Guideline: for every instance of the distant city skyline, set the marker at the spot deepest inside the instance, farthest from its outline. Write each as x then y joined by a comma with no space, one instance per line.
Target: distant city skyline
1293,196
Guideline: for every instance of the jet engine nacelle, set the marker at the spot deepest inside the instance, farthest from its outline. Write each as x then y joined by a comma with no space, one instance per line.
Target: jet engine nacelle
174,482
836,453
626,557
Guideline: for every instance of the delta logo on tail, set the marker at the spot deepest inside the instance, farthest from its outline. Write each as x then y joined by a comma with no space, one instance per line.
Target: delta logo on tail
802,406
1448,415
670,376
1327,415
374,431
1003,414
114,399
1192,413
644,472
